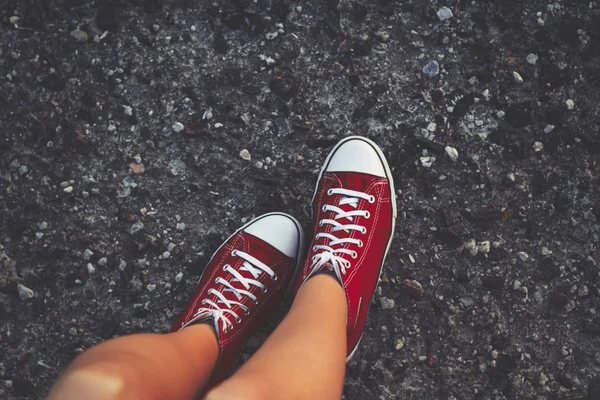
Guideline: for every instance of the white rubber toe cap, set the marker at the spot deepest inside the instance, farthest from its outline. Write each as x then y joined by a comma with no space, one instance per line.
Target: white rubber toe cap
281,231
356,155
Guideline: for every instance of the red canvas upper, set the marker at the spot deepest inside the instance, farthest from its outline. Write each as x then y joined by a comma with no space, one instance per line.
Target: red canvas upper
360,279
232,341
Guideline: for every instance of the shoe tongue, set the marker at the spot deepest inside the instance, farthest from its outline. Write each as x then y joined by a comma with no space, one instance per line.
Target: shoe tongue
206,317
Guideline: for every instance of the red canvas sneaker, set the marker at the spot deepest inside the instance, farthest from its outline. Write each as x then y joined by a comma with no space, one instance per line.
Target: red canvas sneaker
244,281
354,215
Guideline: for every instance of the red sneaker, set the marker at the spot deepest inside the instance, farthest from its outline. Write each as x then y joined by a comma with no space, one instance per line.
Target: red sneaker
244,281
354,215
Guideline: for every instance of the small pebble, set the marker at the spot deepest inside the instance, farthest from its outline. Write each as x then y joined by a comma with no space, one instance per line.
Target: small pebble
431,127
538,146
523,256
23,170
14,19
486,94
386,303
171,247
471,247
102,262
431,69
444,14
412,288
570,104
79,35
179,277
245,155
518,78
383,36
509,179
452,153
87,254
73,331
166,254
180,226
516,284
43,226
91,268
128,110
399,344
122,265
532,58
68,189
151,287
24,292
484,247
138,226
500,114
177,127
549,128
39,235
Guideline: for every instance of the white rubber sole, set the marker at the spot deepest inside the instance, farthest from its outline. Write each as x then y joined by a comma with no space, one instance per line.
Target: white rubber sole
388,174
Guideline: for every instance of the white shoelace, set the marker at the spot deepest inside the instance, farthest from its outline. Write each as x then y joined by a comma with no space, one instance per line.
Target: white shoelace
329,254
220,313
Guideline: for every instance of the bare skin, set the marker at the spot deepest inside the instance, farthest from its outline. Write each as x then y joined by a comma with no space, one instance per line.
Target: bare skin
303,358
143,366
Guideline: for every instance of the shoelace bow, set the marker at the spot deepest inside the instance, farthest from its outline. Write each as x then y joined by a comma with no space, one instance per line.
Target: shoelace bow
221,313
330,254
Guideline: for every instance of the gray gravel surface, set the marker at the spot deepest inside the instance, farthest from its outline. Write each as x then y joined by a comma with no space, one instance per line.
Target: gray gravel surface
136,135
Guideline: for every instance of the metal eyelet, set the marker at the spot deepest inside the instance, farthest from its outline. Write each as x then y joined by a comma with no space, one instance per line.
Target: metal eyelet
364,230
354,255
217,280
372,199
264,290
234,253
247,312
314,248
256,301
320,223
203,301
367,215
360,243
324,209
225,267
330,192
238,320
275,277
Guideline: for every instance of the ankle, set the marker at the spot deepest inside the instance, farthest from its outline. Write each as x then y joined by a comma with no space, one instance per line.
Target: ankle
322,287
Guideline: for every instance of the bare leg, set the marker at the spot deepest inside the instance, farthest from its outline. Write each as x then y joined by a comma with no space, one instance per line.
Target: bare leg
305,358
144,366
